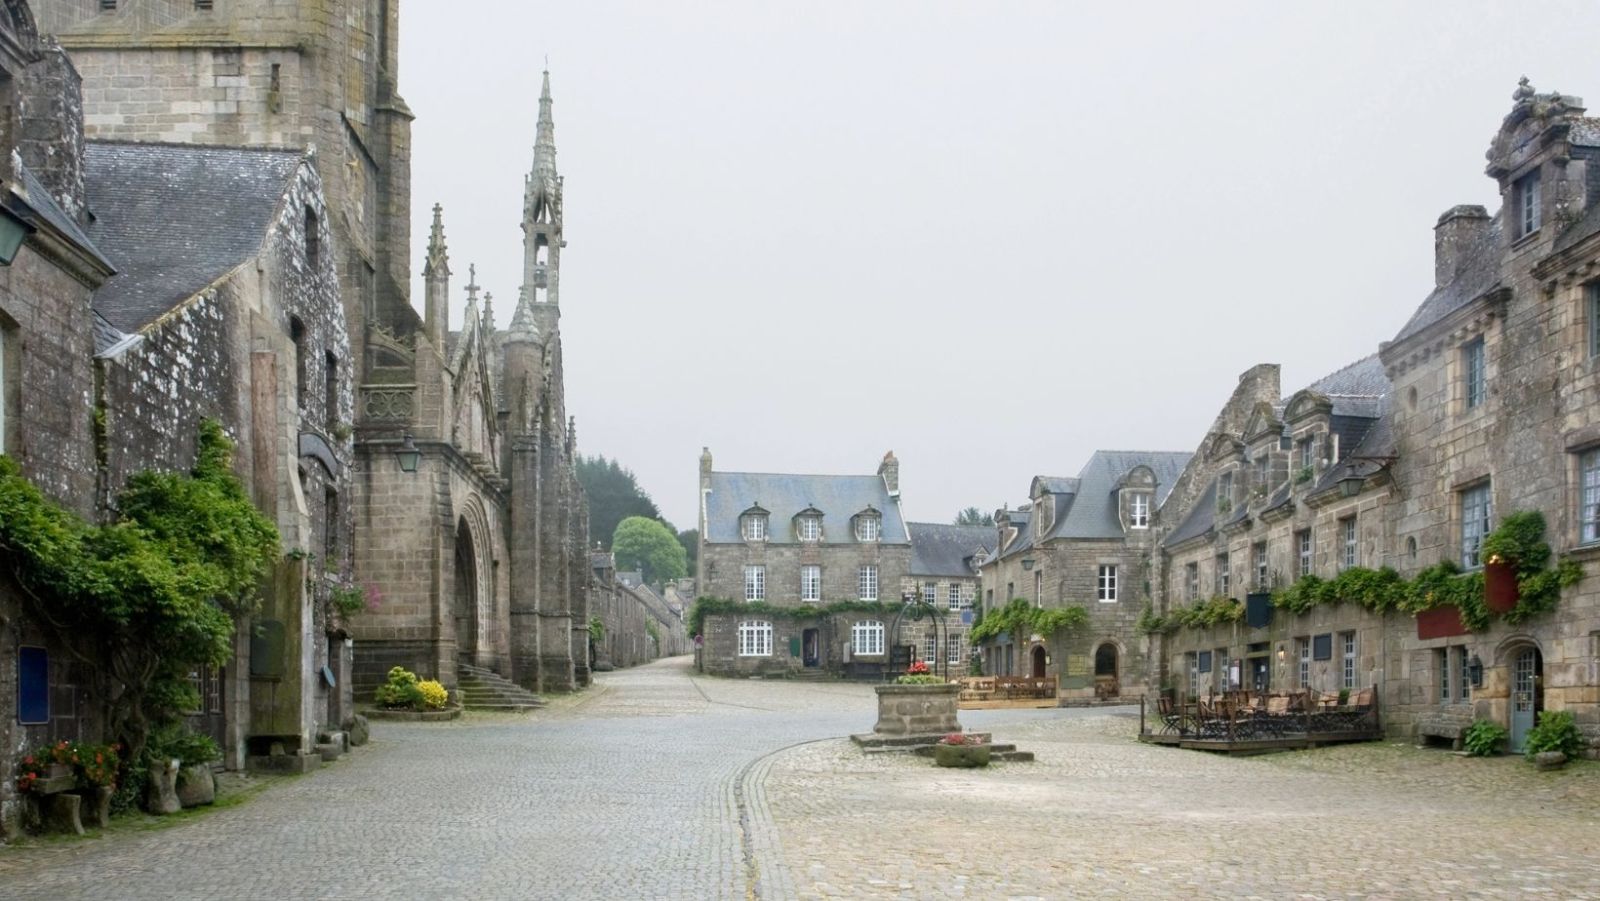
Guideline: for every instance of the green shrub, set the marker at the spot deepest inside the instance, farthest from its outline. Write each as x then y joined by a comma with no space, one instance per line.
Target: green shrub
173,742
400,691
433,694
1484,738
1556,732
920,679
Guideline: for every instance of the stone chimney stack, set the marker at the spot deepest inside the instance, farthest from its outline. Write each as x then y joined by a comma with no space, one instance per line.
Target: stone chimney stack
889,469
1458,234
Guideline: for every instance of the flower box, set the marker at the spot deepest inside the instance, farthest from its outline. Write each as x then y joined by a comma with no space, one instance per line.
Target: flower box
961,756
1440,622
1500,586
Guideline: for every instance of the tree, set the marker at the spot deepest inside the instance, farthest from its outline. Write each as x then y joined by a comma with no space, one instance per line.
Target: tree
690,539
614,495
972,516
650,547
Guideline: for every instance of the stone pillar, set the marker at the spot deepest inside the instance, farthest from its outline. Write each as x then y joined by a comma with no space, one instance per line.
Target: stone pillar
524,550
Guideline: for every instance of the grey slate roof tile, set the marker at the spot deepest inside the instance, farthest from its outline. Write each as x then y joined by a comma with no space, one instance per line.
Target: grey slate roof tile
45,205
784,495
944,550
1093,511
175,218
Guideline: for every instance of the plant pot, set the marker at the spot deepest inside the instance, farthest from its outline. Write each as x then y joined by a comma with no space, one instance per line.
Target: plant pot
161,795
96,807
963,756
1500,586
196,786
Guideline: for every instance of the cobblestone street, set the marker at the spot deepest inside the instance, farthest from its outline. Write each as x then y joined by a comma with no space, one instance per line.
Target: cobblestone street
656,785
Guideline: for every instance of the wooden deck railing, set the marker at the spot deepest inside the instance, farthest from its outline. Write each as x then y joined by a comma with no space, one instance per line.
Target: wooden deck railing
1007,688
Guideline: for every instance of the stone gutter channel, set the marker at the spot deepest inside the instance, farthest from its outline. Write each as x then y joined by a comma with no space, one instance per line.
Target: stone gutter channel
766,874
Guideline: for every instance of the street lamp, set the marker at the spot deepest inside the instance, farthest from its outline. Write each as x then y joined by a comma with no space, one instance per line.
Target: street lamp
408,455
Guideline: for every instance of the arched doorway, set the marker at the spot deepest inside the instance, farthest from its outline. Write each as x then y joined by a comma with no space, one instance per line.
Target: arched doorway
1527,693
1038,661
1105,671
466,599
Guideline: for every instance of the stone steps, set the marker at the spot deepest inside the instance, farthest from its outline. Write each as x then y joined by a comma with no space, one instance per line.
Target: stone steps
481,689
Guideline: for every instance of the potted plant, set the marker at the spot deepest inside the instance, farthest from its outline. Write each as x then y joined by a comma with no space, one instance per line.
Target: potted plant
961,750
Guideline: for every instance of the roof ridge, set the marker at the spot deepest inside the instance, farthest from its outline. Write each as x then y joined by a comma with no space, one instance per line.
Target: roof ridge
184,145
790,475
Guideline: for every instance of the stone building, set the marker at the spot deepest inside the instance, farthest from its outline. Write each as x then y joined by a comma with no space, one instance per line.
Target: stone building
1490,410
944,574
1287,487
635,624
494,498
1083,541
797,543
49,268
484,409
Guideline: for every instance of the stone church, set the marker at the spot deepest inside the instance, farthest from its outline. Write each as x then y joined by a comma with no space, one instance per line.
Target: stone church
475,546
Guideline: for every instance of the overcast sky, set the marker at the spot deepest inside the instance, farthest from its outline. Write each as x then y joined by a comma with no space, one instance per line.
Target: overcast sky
992,237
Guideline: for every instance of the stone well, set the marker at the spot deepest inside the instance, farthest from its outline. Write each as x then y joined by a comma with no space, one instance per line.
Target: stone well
905,710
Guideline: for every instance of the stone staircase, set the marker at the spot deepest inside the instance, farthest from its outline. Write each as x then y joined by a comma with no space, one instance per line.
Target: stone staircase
481,689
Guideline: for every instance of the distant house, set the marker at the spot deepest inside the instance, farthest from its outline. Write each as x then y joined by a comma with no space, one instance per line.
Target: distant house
944,571
1082,541
792,548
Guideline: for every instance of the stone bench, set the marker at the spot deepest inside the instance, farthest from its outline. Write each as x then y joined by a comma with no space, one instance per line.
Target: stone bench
1436,727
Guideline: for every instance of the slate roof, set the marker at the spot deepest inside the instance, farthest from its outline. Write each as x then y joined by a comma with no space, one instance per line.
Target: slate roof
943,550
1578,231
785,495
1480,273
1363,378
43,203
110,340
175,218
1091,511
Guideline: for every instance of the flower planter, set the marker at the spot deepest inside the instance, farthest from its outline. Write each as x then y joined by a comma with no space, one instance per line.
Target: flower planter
917,710
196,786
1500,586
963,756
96,807
1440,622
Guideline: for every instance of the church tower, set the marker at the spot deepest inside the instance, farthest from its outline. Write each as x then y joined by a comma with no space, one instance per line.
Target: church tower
548,518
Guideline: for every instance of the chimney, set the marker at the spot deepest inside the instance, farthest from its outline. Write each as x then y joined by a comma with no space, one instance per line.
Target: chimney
889,469
1457,235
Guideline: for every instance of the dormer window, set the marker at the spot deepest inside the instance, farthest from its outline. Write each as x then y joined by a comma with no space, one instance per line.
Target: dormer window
809,527
1308,453
1138,510
868,527
1526,206
1225,492
753,525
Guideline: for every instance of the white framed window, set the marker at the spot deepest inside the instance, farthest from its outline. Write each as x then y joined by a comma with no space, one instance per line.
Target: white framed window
930,593
952,649
1106,584
1191,581
952,596
1225,492
1347,534
810,529
811,582
1528,211
1260,553
867,637
1347,640
1303,646
755,639
755,582
1192,658
1224,578
968,593
930,648
1589,496
1139,510
1303,538
754,526
1473,373
1441,659
867,582
868,527
1475,518
1308,454
1463,677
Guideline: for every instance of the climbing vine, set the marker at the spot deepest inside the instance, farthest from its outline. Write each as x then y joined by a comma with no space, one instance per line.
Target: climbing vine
143,600
1199,615
709,606
1021,617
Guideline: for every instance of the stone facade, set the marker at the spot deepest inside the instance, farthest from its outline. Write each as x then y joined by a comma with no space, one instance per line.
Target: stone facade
944,575
1083,541
801,543
636,624
503,579
1489,411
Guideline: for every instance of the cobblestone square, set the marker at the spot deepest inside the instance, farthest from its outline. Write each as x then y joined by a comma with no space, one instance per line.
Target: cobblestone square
658,784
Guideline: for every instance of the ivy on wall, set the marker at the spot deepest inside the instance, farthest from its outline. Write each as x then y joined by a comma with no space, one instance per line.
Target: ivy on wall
143,600
1021,617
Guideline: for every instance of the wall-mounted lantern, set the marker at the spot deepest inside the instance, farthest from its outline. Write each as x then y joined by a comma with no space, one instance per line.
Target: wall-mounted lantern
408,455
1027,564
1475,671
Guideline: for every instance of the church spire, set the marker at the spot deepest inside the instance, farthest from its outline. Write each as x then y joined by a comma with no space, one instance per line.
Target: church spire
541,223
436,283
